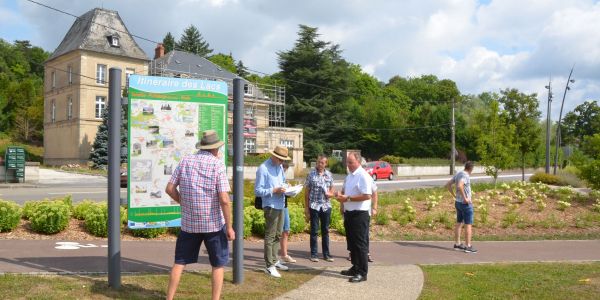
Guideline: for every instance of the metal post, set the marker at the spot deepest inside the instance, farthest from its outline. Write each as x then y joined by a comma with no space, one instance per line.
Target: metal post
238,181
453,155
114,184
548,124
569,80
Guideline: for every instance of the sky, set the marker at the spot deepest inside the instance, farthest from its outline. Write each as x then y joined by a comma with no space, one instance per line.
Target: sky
484,46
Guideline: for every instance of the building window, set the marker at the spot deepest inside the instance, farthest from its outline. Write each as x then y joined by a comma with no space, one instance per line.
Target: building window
287,143
70,71
69,108
249,146
101,74
128,72
249,111
114,41
248,89
53,80
53,111
100,106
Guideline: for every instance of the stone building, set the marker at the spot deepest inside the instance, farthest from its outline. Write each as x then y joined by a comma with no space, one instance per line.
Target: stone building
76,83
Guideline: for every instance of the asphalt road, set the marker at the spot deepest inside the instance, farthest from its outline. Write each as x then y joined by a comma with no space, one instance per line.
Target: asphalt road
81,187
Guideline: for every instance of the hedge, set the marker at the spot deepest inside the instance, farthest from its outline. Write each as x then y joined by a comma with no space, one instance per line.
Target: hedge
10,215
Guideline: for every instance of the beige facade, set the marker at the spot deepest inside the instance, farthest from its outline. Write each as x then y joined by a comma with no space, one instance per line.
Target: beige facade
75,94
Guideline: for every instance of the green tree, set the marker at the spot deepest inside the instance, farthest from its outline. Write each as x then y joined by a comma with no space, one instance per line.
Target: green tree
193,42
241,69
224,61
521,110
99,154
589,163
583,121
317,80
495,145
169,42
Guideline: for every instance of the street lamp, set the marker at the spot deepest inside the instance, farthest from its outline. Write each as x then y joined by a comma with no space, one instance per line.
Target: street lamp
569,80
548,122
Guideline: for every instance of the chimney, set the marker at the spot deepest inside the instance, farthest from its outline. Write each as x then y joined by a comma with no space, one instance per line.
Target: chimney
159,51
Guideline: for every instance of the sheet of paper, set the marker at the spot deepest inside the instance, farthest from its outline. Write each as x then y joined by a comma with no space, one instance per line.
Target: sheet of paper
294,190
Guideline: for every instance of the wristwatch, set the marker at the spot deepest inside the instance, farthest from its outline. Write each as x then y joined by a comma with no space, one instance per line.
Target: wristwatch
348,199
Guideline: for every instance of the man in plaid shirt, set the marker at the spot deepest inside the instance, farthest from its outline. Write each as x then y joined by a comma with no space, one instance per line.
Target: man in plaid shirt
205,211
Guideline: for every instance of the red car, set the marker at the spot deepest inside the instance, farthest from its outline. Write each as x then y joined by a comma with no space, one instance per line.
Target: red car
379,169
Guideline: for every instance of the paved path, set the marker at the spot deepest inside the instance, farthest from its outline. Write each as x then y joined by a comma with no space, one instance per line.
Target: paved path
394,265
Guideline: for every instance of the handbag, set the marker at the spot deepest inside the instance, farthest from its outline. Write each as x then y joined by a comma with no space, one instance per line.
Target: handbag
258,203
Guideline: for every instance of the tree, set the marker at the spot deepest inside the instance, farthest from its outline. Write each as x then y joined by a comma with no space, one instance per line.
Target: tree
495,145
169,42
224,61
241,69
583,121
99,154
317,80
193,42
522,111
589,163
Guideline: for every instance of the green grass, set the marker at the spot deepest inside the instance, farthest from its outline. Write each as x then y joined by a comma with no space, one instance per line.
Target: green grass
512,281
499,237
34,153
193,285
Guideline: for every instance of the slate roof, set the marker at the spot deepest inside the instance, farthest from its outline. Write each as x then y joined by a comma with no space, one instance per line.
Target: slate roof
92,30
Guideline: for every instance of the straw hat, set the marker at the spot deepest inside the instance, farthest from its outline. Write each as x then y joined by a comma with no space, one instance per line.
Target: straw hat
280,152
210,140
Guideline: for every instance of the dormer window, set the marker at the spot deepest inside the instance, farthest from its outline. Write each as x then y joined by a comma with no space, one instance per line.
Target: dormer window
114,41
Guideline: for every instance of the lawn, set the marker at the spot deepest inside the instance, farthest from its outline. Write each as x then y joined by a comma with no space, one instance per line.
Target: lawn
512,281
193,285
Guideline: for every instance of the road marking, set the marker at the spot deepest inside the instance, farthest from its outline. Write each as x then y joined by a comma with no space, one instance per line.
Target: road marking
75,246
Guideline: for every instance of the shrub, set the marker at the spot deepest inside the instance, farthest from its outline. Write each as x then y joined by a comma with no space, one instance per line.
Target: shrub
337,222
336,166
50,216
28,208
546,178
257,226
382,218
96,219
392,159
444,218
297,221
510,219
174,230
148,233
82,208
563,205
248,220
10,215
425,223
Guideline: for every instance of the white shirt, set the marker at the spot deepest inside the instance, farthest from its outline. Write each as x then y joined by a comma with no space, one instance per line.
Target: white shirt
358,183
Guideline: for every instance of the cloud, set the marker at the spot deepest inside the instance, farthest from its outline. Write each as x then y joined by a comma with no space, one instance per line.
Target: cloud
482,45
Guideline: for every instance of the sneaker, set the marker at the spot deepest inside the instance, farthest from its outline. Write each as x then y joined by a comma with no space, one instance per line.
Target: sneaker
280,266
459,247
288,259
328,259
470,249
272,271
314,259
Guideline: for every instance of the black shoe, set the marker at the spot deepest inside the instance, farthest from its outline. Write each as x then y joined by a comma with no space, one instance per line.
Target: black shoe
470,249
358,278
349,272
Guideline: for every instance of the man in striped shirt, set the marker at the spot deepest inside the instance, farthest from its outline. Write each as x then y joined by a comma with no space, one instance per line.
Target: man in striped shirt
205,211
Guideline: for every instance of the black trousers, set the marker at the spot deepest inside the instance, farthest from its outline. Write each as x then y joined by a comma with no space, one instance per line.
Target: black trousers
356,224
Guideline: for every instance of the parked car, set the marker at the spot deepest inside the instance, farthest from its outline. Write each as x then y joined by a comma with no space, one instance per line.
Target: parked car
379,169
123,178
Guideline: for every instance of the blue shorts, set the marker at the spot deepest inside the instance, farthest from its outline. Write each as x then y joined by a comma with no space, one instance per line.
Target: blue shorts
464,212
286,220
188,247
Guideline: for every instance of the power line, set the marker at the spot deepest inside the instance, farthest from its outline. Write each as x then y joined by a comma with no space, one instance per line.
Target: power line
338,91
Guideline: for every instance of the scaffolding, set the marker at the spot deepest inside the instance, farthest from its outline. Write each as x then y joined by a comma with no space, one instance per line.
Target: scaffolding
254,92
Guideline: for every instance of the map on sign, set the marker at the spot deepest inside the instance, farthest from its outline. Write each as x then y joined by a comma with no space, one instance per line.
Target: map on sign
166,117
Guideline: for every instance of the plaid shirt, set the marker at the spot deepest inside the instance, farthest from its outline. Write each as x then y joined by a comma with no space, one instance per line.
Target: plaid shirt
201,177
318,185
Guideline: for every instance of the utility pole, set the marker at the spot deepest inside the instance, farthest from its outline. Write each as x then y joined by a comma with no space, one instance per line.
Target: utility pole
114,179
548,124
569,80
453,155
